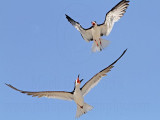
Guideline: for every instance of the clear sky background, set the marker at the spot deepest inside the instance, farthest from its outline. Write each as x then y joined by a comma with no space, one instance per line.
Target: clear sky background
41,51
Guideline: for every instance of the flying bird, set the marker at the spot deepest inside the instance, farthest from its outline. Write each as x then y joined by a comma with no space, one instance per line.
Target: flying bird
95,32
77,94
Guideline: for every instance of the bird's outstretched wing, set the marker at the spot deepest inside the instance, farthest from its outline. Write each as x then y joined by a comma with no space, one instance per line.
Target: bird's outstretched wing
96,78
49,94
113,16
86,33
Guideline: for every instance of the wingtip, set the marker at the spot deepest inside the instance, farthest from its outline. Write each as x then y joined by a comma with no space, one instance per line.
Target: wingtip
124,52
120,56
7,84
127,1
66,15
126,49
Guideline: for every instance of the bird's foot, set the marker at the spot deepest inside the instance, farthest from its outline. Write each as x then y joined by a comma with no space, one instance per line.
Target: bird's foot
96,43
81,107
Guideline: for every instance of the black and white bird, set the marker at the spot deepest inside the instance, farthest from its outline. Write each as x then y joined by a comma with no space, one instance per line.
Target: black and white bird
95,32
77,94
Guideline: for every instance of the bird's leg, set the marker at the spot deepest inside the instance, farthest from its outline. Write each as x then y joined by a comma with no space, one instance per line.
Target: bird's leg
100,41
96,43
100,44
80,106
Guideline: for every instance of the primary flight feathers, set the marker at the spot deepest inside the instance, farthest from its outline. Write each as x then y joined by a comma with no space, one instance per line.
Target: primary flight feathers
49,94
95,32
77,94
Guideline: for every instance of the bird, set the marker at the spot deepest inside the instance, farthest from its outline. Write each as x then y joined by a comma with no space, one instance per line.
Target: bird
77,94
95,32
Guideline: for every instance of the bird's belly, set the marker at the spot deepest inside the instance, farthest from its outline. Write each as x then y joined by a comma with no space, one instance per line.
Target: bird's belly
78,98
96,35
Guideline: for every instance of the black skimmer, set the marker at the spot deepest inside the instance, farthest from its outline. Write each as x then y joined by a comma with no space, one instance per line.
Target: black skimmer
95,32
77,94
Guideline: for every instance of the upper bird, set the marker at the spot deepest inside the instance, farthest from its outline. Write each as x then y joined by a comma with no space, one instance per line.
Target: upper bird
95,32
77,94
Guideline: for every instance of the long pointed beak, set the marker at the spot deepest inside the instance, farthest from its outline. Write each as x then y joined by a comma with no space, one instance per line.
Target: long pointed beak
78,81
81,80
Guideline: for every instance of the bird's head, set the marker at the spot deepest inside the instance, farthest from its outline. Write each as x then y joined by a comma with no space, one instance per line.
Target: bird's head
94,23
78,81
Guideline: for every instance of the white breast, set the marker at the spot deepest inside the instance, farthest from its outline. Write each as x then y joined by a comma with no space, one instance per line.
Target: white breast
96,33
78,98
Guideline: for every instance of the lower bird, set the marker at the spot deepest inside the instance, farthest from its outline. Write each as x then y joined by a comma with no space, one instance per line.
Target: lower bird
77,94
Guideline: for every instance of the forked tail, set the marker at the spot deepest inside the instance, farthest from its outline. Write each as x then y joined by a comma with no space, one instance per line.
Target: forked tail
104,43
83,110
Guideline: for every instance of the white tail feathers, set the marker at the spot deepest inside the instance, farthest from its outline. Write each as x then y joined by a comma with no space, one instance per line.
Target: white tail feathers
104,43
83,110
95,47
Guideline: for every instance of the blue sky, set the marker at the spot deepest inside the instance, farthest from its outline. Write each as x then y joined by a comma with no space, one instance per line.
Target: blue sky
40,50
